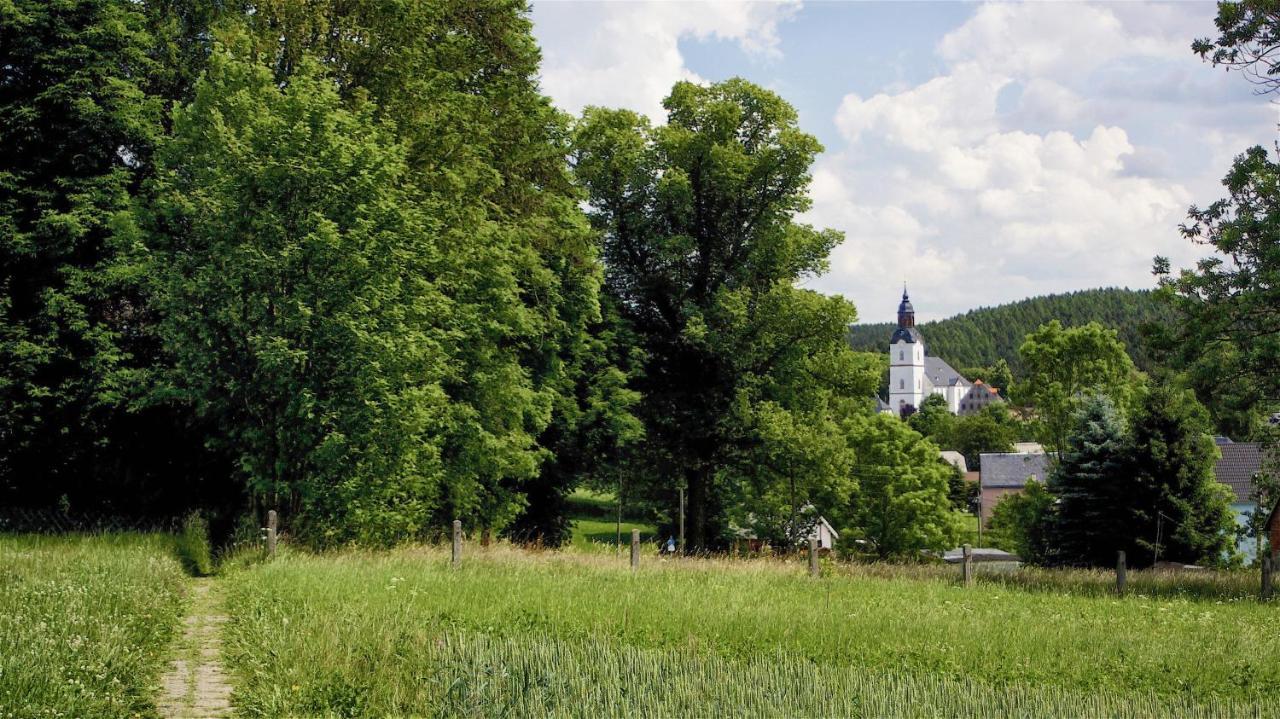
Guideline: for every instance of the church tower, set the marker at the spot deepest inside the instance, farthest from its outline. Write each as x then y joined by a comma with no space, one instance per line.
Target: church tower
906,359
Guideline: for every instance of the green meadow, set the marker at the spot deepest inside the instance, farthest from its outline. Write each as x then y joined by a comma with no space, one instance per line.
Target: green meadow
570,634
85,623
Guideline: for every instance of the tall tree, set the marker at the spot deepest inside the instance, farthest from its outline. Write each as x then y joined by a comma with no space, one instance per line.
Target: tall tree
306,299
487,150
1065,364
701,253
77,128
1176,507
1228,336
900,505
1087,524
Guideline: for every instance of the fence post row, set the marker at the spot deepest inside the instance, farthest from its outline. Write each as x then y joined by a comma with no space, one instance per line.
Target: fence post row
1121,573
966,564
272,526
456,560
635,549
813,556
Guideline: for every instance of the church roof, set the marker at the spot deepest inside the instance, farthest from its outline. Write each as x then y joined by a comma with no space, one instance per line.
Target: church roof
906,334
941,374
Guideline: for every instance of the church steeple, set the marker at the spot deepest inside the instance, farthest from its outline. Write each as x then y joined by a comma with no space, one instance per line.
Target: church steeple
906,313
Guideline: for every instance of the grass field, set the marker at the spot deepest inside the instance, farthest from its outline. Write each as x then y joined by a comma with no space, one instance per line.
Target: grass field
85,623
515,634
595,523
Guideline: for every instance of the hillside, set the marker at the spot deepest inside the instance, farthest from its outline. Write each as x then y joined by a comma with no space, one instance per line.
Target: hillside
980,337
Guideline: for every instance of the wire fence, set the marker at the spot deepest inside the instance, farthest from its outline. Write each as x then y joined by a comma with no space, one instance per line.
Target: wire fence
52,520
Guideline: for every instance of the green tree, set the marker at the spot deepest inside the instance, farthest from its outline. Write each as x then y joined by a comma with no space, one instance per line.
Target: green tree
934,420
77,126
1062,366
1175,505
900,506
701,254
489,154
306,301
1088,522
1227,337
1019,523
992,429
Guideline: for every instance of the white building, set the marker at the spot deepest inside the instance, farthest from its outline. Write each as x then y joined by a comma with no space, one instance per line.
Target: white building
914,375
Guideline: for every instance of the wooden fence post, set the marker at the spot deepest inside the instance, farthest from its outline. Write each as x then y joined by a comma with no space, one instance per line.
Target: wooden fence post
813,556
457,544
1121,573
1266,578
272,526
966,564
635,549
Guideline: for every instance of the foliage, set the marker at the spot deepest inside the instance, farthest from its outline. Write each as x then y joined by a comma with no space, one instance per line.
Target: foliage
992,429
1088,523
193,548
1228,306
901,503
1062,366
742,372
1174,495
301,298
981,338
1019,522
1149,486
78,126
85,622
389,633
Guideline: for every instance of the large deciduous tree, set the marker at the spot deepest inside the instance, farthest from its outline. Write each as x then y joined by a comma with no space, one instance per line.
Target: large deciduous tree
701,255
1065,364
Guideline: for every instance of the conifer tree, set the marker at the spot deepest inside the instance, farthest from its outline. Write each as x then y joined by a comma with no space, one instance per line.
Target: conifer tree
1088,522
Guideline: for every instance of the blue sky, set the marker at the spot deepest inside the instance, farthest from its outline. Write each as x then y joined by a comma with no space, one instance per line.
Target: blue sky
981,152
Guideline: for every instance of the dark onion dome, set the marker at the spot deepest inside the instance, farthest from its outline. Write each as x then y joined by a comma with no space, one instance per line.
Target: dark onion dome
906,334
905,308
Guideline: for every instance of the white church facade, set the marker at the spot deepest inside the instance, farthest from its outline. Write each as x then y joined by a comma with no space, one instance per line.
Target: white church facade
914,375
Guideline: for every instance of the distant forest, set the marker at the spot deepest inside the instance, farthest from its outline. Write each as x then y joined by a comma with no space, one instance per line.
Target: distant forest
979,337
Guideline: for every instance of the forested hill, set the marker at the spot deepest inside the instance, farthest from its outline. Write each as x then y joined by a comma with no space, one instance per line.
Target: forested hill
979,337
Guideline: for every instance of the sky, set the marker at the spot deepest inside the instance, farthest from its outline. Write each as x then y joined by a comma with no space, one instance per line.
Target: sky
980,152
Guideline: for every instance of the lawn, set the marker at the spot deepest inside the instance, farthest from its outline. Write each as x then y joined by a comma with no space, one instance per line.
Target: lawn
85,622
595,523
575,634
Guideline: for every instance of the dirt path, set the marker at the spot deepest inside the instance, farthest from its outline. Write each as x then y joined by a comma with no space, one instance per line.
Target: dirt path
195,686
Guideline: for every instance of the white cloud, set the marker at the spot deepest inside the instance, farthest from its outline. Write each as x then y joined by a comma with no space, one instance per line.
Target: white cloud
628,54
1018,176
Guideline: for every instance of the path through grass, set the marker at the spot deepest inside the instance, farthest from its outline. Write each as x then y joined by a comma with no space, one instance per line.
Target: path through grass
195,687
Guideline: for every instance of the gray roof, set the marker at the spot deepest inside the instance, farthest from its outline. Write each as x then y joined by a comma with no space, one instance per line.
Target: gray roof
1239,462
1013,469
942,374
954,458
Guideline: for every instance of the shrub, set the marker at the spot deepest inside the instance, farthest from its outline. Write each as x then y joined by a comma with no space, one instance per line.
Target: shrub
193,546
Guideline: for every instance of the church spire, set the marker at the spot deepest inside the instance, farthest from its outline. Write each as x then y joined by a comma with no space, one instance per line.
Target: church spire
906,313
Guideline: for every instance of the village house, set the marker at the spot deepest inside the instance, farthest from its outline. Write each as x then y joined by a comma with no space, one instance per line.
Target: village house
1237,467
1006,473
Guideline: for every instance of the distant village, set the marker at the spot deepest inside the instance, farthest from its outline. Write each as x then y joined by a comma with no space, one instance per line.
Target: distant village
915,375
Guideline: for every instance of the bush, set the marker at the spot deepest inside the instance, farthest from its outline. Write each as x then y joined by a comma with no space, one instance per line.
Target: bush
193,546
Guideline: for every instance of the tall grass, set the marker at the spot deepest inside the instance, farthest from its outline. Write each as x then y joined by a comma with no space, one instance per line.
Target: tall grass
193,548
84,623
578,635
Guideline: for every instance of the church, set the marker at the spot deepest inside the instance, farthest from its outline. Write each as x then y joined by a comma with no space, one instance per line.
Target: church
914,375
